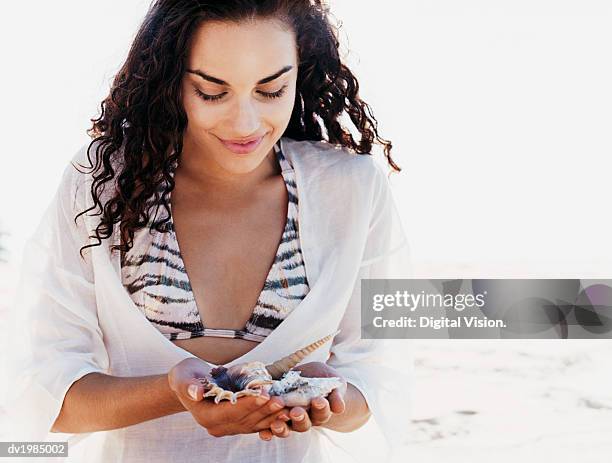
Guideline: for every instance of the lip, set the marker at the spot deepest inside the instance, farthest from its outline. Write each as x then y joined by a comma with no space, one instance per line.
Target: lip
242,148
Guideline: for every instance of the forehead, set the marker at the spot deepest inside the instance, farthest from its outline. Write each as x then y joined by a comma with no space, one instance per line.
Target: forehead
242,52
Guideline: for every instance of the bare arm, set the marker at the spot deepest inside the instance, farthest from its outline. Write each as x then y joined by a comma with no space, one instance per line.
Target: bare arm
99,402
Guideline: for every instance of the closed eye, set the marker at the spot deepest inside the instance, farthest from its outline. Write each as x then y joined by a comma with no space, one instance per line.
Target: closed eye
276,94
206,97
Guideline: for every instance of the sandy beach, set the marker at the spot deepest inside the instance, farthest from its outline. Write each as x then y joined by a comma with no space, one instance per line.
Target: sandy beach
512,400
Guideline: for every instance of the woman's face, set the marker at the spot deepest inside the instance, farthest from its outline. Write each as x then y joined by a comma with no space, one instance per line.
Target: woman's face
240,86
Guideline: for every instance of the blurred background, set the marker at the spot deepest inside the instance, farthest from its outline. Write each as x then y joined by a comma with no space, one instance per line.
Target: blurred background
500,115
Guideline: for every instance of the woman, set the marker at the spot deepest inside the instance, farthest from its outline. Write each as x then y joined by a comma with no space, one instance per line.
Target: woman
222,131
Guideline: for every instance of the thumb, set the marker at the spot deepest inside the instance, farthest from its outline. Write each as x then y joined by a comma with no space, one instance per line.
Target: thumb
183,379
195,391
336,402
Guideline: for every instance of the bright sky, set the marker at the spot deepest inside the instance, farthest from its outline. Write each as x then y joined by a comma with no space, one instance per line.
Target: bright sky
499,113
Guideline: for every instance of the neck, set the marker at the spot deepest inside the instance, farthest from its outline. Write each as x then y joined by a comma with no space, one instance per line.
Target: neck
204,172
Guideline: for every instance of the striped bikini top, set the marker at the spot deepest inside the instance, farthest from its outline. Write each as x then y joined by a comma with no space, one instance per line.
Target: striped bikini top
154,275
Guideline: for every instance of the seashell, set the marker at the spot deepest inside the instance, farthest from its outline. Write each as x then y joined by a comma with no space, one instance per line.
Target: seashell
297,391
253,378
282,366
245,379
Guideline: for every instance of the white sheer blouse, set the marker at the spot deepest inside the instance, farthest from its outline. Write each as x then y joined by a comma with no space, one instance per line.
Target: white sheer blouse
73,316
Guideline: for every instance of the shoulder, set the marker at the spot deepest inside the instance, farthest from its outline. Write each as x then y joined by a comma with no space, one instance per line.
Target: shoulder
88,158
323,161
79,166
74,175
75,184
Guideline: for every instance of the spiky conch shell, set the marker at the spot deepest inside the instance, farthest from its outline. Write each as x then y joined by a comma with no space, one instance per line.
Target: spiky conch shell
251,378
263,377
282,366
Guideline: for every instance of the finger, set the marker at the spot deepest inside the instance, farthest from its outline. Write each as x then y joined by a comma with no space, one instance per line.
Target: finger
270,407
282,415
190,394
266,435
280,429
229,412
185,373
336,402
319,411
300,422
195,391
243,407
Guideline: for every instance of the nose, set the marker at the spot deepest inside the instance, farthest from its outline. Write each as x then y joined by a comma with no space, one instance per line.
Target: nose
244,119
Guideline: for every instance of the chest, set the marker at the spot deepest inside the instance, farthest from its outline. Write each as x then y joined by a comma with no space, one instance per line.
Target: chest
228,244
227,262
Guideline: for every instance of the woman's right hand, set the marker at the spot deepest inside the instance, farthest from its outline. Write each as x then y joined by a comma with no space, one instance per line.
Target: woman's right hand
248,415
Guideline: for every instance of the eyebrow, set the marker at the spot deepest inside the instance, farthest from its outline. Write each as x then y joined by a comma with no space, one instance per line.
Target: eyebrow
215,80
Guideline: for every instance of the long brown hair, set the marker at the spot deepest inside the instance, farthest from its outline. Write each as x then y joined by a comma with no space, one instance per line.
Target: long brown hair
142,119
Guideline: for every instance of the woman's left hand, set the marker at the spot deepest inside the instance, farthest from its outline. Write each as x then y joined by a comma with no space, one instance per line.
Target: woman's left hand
320,410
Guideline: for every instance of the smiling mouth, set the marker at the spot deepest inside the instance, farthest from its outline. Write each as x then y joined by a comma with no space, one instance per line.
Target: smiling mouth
242,146
242,142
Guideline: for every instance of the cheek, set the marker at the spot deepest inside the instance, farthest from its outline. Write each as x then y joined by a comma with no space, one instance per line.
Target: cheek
280,112
199,114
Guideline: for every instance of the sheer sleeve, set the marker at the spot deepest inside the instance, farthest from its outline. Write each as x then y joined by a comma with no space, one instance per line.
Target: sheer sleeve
380,369
54,329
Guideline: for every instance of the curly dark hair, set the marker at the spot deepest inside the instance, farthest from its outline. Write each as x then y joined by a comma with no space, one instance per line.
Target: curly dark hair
142,120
